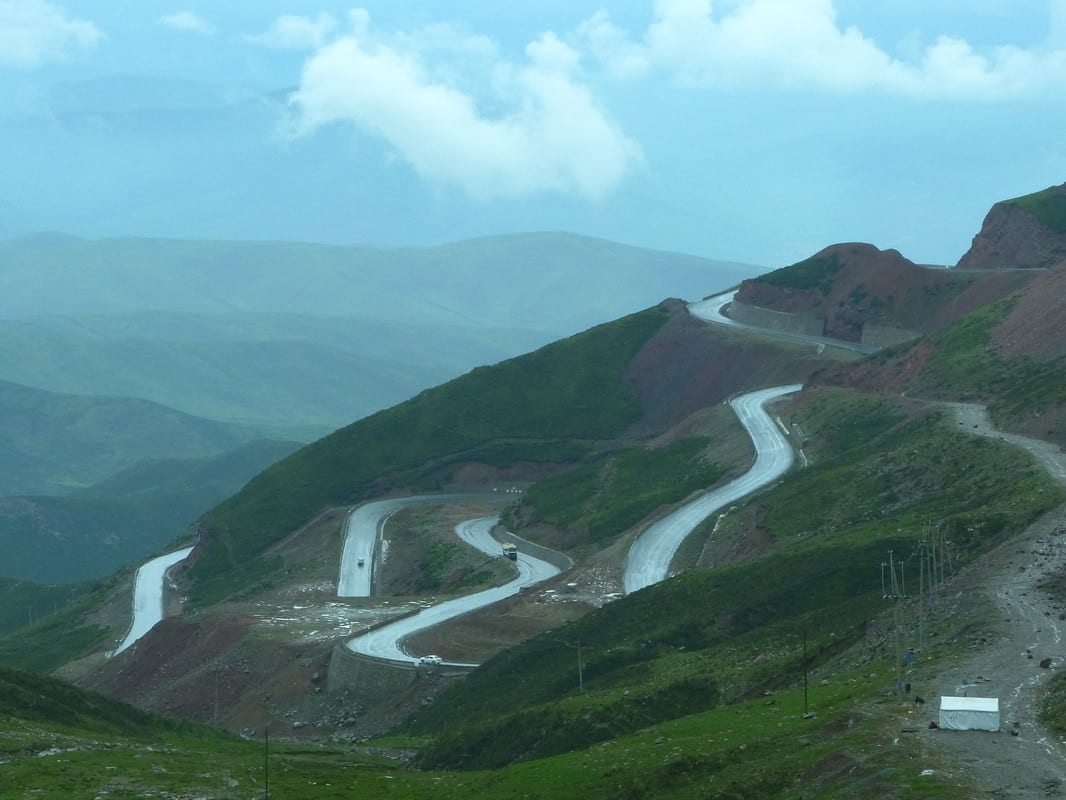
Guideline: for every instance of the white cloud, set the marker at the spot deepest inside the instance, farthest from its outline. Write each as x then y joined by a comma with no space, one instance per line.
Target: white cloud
292,32
35,32
188,21
793,44
613,47
549,134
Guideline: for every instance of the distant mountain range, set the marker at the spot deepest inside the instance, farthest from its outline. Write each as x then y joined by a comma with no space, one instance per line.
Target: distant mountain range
306,338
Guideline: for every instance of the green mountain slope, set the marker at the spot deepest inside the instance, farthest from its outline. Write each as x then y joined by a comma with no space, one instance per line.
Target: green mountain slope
538,407
124,519
54,444
723,635
24,602
301,375
1010,355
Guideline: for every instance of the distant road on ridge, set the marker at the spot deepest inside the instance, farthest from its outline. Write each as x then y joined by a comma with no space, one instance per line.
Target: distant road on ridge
712,310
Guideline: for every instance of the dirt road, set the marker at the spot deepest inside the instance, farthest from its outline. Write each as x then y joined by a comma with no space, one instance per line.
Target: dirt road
1025,627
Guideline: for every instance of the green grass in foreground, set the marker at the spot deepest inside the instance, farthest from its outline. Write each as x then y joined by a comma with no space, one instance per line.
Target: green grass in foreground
762,748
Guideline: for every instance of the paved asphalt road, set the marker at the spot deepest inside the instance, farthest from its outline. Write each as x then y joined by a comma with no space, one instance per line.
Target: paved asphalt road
148,595
713,310
361,534
651,554
387,642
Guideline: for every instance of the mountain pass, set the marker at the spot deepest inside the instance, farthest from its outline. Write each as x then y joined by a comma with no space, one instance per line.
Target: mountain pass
712,310
362,530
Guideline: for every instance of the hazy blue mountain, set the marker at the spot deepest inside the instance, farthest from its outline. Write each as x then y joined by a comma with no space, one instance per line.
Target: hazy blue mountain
305,338
495,281
55,444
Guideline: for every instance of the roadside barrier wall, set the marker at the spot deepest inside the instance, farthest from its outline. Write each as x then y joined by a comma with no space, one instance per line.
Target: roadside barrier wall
553,557
777,320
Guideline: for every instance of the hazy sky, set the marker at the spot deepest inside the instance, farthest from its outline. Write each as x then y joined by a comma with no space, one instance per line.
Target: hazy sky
756,130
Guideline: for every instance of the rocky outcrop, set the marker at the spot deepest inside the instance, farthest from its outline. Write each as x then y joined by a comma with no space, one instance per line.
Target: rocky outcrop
859,291
1024,233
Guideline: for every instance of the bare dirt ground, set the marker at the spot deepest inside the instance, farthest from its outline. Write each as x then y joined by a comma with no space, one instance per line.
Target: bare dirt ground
1015,626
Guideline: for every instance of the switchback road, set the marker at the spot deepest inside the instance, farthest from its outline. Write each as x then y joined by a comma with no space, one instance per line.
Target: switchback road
651,554
387,642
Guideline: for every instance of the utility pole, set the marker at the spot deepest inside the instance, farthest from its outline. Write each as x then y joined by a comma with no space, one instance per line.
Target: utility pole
580,671
921,593
897,595
266,762
804,672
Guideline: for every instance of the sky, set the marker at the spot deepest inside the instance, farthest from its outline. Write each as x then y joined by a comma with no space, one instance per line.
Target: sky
751,130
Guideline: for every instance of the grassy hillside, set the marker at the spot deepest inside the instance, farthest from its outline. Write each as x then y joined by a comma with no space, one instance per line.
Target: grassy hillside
123,519
547,406
72,631
55,444
811,273
759,749
603,498
883,470
24,602
303,375
1048,206
965,362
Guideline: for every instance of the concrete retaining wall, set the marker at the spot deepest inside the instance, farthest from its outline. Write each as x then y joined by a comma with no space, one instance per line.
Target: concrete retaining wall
553,557
777,320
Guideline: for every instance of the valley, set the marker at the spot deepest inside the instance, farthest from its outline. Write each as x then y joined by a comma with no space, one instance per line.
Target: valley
761,656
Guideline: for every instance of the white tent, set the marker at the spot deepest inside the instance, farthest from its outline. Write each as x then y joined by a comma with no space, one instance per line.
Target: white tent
969,713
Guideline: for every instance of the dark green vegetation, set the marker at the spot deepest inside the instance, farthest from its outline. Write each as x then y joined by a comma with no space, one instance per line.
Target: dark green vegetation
425,557
54,639
124,519
58,741
528,408
39,699
23,602
812,273
713,637
56,444
606,498
1048,206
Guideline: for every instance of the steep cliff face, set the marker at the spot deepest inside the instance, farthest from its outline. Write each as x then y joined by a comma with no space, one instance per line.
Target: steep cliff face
1024,233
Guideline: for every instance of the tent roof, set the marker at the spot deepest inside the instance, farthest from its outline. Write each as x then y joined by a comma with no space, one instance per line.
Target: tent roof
969,704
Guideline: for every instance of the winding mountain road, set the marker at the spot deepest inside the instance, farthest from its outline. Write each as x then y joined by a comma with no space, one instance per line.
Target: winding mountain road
650,556
148,595
362,532
713,309
386,642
